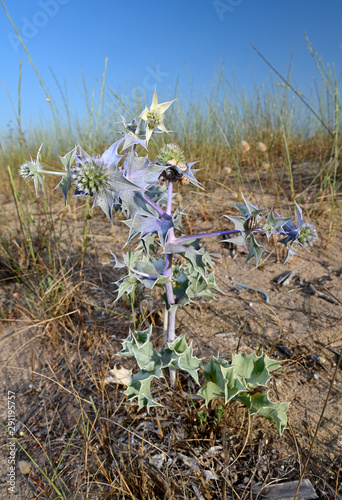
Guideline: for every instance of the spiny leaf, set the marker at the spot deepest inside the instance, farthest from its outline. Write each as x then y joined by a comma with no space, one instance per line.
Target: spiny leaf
65,184
126,285
255,250
138,345
248,210
252,369
181,356
274,225
140,387
221,381
275,412
142,172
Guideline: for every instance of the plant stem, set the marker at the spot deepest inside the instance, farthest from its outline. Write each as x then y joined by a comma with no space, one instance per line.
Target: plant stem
172,324
168,258
168,286
165,324
170,321
204,235
171,337
50,172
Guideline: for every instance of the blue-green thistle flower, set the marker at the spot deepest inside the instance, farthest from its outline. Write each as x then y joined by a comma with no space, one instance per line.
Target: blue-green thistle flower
307,235
101,177
301,233
90,175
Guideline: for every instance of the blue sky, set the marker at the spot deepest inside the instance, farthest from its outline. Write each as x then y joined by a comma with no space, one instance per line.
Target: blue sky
169,37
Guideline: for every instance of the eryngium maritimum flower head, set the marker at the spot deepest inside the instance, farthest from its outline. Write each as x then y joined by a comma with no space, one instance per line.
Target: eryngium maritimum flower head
154,116
33,170
170,152
90,175
307,235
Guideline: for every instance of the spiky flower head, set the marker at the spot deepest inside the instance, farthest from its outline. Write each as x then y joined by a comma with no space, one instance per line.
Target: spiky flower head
154,116
307,235
33,170
268,228
170,152
90,175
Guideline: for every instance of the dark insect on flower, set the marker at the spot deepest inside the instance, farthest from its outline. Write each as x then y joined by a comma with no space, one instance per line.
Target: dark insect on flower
170,173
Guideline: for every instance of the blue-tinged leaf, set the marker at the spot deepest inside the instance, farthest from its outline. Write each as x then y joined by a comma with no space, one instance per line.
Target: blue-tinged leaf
241,225
119,184
105,200
189,174
65,184
255,250
299,216
178,248
149,225
133,203
116,262
131,139
274,225
253,210
142,225
111,157
248,210
142,172
290,253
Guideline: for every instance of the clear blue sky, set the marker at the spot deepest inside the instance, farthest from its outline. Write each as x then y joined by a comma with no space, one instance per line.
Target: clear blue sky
74,35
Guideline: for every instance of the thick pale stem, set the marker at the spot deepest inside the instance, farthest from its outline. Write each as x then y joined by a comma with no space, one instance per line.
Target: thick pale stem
168,257
172,324
165,325
168,286
170,311
169,197
171,338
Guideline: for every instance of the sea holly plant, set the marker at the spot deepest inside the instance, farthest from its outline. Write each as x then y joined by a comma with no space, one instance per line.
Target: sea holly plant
142,190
